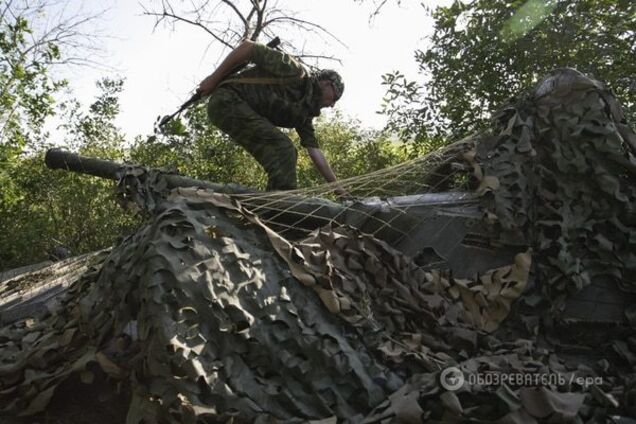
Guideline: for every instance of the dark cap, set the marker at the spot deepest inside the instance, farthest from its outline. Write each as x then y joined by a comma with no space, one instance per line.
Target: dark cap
334,78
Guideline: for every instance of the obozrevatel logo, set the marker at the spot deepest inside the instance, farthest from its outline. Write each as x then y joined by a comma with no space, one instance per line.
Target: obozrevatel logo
451,379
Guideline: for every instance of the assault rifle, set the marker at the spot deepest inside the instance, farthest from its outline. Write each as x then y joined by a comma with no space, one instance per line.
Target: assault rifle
197,95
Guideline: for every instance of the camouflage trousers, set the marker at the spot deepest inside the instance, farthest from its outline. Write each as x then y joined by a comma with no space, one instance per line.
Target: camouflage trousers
273,150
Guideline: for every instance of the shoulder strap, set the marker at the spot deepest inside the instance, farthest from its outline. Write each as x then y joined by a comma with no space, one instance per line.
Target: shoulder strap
264,80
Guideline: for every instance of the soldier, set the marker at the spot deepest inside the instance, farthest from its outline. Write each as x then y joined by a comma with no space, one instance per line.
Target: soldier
276,91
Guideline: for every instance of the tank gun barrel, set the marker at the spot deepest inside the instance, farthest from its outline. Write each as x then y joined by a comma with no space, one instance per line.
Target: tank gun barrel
61,159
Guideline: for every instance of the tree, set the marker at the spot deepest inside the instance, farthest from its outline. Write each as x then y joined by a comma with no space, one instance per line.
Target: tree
34,40
95,133
483,52
75,212
229,21
31,46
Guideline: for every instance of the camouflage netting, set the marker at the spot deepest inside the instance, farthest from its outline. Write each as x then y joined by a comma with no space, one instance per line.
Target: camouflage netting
279,308
566,182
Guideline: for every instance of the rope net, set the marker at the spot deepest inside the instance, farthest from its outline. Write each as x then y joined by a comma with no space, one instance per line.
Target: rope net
381,202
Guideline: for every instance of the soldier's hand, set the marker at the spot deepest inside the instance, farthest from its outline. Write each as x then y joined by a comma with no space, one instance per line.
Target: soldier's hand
342,194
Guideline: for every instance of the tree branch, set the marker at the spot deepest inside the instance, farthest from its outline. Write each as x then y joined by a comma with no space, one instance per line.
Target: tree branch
260,15
237,11
254,24
6,9
306,25
166,14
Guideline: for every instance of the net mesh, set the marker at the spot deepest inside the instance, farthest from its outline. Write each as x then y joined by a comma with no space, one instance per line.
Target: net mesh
381,202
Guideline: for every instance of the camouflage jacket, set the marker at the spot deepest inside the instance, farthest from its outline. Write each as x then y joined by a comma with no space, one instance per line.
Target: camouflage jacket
280,89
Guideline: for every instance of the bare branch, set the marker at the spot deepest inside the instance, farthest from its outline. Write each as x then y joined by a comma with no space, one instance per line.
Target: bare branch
260,15
6,9
377,9
308,26
72,32
318,56
246,19
238,12
202,7
165,14
378,4
7,117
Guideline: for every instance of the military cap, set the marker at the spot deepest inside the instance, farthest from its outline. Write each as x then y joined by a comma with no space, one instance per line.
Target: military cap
333,77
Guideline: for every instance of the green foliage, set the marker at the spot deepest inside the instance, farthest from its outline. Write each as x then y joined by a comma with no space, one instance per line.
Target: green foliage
25,85
199,150
486,51
52,208
193,147
409,112
58,208
350,149
94,132
25,93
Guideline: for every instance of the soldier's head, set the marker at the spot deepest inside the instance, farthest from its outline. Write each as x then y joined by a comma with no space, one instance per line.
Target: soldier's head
331,85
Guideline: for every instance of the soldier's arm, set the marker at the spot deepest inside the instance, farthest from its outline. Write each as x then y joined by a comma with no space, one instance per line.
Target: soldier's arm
236,57
322,165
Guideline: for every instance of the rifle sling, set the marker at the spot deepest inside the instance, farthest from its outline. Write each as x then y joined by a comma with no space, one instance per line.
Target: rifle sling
261,80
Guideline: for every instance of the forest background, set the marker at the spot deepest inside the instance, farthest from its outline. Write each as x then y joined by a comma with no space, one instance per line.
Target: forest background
480,55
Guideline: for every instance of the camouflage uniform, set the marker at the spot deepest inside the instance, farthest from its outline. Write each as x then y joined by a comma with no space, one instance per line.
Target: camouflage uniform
276,92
